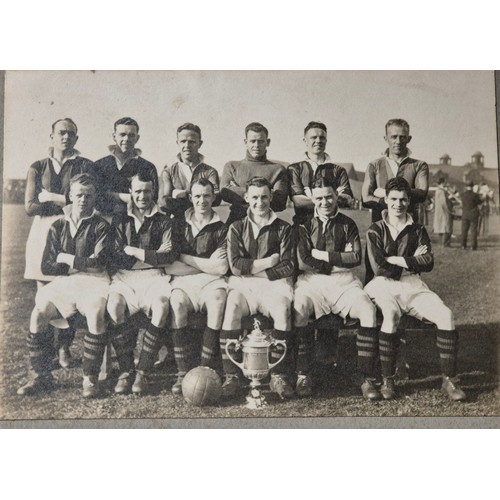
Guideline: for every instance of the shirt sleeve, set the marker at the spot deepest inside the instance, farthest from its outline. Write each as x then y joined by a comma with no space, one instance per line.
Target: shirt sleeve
239,263
305,247
421,185
368,187
344,186
421,263
280,192
232,194
166,186
31,204
170,234
102,250
376,254
286,265
296,185
352,257
50,266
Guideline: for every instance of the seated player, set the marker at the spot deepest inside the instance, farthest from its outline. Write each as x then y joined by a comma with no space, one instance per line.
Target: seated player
115,170
198,283
177,178
398,250
260,253
144,243
236,174
328,247
77,254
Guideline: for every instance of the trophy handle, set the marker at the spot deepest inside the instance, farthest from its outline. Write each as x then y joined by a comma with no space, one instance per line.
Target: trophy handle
228,343
283,343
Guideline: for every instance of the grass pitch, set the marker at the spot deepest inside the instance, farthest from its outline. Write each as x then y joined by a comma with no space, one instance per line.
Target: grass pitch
467,281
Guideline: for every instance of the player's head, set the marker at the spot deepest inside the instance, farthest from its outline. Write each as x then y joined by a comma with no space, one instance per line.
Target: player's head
189,141
397,198
258,195
82,193
397,136
142,189
441,181
126,134
202,195
64,134
256,140
315,138
324,197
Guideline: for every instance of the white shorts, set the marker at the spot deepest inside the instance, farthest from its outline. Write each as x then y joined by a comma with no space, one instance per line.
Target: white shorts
261,293
409,295
80,292
139,288
198,287
330,294
35,245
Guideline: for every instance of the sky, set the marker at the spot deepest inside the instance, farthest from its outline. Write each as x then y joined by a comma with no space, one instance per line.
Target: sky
449,112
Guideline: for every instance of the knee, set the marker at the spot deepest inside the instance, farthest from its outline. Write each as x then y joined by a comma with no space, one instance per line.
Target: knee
178,304
366,312
302,309
445,319
233,308
116,308
218,299
282,309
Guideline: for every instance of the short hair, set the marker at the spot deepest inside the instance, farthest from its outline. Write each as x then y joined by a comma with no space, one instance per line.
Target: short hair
83,179
143,174
399,122
256,127
258,182
441,180
398,184
69,120
311,125
190,126
127,121
201,181
322,182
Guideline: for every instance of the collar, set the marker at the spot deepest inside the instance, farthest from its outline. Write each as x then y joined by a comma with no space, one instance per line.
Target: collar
408,153
73,228
255,228
113,148
188,216
393,230
251,158
325,220
137,222
74,154
201,159
327,159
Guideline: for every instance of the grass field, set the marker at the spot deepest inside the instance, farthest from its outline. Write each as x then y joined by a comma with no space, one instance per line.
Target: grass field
467,281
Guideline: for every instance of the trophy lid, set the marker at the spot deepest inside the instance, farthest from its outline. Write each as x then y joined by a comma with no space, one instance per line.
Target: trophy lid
257,338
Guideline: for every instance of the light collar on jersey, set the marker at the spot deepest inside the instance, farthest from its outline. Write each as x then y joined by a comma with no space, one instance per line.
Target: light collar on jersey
189,216
255,228
73,228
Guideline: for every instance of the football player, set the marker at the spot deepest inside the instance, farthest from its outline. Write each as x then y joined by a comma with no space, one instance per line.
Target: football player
328,247
77,255
144,243
198,283
260,252
399,249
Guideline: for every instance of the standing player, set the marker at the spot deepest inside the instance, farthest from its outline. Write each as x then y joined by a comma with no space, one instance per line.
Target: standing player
398,251
236,174
177,178
328,247
47,192
145,243
260,253
115,171
198,283
76,255
316,164
396,162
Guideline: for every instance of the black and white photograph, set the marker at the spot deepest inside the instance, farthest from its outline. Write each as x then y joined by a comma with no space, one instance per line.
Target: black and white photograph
249,245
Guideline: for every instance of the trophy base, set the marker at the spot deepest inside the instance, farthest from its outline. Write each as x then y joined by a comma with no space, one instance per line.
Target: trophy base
256,400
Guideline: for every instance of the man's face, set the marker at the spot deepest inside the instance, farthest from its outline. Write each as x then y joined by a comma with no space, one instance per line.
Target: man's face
83,198
256,143
126,137
141,193
64,136
397,203
315,140
202,198
397,139
259,199
189,143
325,200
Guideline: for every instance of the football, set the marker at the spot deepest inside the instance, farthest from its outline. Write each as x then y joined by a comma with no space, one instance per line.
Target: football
201,386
